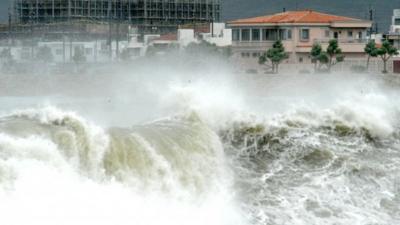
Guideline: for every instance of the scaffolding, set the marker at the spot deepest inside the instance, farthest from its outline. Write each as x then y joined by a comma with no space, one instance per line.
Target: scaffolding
150,16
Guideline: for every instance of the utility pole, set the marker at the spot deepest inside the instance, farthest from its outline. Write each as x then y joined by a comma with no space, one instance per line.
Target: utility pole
32,34
117,37
109,29
371,18
212,21
10,40
63,37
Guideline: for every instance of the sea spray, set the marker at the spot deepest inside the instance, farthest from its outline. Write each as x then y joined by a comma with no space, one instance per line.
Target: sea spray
58,168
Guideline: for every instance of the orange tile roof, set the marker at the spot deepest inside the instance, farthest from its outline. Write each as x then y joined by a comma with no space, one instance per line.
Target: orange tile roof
304,16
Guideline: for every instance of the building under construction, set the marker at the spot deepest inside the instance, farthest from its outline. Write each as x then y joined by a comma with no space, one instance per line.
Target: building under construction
150,16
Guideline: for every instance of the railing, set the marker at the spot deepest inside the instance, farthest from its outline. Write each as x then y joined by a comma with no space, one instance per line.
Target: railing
252,43
343,40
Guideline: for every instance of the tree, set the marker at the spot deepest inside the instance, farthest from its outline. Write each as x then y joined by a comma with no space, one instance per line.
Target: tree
371,50
334,53
275,55
386,51
324,59
316,52
79,55
44,54
262,60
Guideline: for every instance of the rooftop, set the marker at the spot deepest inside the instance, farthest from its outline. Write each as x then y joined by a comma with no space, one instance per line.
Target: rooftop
168,37
303,16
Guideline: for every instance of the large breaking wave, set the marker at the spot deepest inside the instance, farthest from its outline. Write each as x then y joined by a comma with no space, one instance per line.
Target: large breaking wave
265,157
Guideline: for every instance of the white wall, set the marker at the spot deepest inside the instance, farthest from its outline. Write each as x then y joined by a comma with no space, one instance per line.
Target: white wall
185,36
224,39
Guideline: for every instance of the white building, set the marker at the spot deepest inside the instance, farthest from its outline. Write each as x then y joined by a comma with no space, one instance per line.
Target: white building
394,33
395,27
216,33
63,51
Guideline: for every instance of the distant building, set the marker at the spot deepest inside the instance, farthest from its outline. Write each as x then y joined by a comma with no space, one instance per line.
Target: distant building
395,27
148,15
394,33
63,52
298,30
213,33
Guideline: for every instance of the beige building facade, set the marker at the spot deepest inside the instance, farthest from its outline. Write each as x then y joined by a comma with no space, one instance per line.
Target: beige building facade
298,31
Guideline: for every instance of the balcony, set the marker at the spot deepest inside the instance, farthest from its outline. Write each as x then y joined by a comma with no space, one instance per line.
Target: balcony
348,45
342,40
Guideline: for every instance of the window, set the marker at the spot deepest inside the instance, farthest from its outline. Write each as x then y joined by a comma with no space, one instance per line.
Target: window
305,34
301,60
285,34
289,34
327,33
255,34
360,35
336,35
245,54
349,34
397,21
256,54
235,35
246,35
270,35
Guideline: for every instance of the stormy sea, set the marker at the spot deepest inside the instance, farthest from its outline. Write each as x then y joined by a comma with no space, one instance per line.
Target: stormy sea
205,145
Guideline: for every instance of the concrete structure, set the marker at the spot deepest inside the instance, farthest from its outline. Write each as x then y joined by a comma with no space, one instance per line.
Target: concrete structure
151,16
63,52
218,35
395,27
298,30
394,33
215,33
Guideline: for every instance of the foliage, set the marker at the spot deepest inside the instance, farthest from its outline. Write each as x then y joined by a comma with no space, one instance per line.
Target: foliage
323,58
79,55
44,54
334,53
329,58
262,59
316,53
275,55
386,51
371,50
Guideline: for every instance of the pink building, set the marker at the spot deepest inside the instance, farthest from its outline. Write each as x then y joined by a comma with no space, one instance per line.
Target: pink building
298,30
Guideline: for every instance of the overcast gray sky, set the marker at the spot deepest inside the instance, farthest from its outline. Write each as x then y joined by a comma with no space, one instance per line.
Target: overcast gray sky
233,9
4,4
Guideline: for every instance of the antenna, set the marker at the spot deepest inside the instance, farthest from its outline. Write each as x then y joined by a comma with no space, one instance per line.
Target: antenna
371,18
